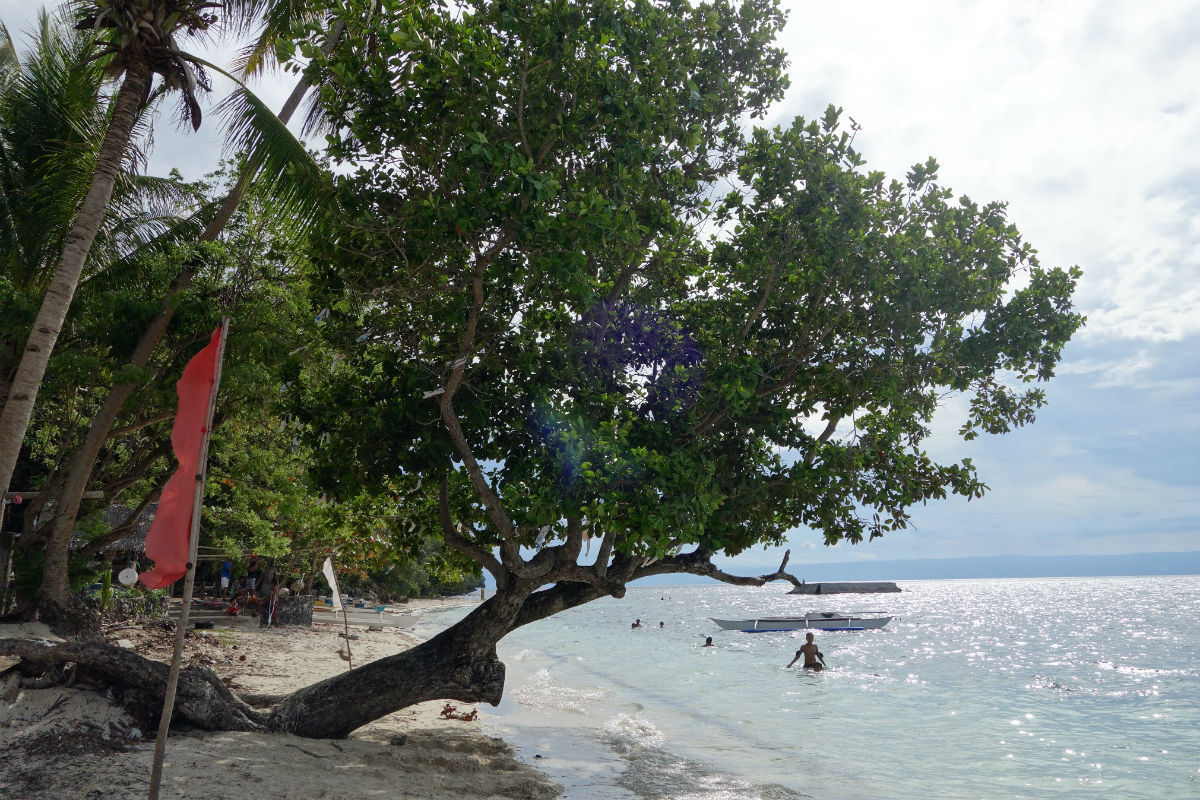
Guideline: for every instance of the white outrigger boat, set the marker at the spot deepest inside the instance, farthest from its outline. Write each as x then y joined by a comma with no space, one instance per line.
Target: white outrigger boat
364,616
813,620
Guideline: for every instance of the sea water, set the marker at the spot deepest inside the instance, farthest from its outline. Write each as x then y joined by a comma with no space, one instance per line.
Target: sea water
1030,688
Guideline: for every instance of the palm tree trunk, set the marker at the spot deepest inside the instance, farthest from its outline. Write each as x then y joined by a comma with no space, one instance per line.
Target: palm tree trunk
18,408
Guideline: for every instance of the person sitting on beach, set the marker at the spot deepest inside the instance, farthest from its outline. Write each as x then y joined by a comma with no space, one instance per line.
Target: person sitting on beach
637,623
452,712
811,655
708,643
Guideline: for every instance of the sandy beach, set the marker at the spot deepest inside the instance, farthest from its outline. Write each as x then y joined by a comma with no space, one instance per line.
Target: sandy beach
72,743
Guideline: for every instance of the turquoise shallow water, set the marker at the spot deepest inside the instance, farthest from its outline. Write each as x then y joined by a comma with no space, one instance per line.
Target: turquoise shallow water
1039,688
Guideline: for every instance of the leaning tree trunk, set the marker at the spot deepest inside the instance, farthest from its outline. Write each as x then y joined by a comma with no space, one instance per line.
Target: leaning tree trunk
18,408
458,664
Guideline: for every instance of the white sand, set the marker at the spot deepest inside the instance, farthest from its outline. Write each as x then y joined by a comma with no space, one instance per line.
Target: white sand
72,743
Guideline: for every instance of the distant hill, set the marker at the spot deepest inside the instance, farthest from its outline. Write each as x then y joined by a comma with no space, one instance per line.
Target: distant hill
1083,566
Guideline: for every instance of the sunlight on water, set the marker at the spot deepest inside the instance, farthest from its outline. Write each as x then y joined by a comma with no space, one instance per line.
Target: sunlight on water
981,689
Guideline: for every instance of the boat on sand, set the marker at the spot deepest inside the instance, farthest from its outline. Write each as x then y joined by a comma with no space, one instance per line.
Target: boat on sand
363,616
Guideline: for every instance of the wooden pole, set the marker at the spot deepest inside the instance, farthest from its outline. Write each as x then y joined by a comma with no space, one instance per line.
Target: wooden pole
189,580
346,626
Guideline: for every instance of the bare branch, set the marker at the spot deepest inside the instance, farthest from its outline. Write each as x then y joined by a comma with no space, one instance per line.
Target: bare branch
95,546
699,562
162,416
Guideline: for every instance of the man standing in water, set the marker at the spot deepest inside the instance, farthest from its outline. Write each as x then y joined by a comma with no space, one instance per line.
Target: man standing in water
813,659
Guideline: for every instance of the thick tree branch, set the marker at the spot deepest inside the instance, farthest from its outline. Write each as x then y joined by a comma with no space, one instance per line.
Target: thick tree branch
162,416
491,501
600,565
561,596
97,545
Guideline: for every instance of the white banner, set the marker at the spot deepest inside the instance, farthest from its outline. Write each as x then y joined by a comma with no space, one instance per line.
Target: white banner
327,569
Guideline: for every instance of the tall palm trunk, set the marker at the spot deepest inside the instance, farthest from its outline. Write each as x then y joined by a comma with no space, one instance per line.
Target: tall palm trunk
18,408
55,586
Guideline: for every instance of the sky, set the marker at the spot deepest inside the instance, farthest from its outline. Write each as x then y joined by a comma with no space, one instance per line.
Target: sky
1085,118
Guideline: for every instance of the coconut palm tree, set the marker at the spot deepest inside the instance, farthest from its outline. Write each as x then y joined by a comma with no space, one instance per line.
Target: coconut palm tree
283,169
50,129
136,41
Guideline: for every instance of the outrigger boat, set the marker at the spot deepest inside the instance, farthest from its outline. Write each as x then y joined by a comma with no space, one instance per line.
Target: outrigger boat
364,616
813,620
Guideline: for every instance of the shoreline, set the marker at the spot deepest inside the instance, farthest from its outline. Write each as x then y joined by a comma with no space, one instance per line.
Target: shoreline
73,743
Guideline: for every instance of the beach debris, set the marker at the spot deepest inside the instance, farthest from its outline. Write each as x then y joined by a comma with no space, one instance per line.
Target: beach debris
317,756
452,712
399,740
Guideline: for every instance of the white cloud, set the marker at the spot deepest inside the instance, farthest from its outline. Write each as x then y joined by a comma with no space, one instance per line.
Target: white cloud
1083,115
1129,371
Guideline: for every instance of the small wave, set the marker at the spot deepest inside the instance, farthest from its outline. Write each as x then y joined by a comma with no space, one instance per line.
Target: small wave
626,732
542,692
1128,669
656,773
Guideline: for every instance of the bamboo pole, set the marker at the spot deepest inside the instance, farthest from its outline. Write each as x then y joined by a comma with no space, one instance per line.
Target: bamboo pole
189,580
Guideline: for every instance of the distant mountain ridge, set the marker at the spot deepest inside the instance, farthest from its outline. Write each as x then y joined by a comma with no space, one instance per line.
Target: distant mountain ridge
1071,566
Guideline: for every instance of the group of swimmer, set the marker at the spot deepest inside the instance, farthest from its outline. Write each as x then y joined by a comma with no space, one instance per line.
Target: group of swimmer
814,659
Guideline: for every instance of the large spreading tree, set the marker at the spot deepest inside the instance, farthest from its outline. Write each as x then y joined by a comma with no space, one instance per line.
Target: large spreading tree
594,330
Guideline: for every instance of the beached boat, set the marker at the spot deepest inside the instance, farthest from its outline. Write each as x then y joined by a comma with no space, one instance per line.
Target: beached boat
363,616
814,620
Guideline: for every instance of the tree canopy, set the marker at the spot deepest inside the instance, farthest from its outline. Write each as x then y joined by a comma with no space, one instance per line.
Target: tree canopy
571,287
577,319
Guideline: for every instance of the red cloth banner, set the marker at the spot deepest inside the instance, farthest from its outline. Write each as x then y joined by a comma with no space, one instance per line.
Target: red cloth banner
168,540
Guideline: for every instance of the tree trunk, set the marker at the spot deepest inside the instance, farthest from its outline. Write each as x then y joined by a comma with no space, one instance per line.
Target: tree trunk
6,548
18,408
458,664
139,684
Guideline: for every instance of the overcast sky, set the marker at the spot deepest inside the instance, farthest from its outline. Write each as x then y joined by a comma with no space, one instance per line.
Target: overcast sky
1085,117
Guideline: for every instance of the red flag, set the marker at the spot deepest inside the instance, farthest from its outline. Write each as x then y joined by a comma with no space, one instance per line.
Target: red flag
168,540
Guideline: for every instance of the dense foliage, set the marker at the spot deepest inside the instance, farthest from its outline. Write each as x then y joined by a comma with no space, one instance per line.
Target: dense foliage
546,301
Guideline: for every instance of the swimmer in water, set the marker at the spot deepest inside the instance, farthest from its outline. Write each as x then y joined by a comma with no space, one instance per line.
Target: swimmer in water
813,659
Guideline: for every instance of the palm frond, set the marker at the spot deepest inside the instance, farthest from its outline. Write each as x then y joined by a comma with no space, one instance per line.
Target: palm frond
316,118
278,19
51,121
156,235
10,64
243,15
282,165
165,197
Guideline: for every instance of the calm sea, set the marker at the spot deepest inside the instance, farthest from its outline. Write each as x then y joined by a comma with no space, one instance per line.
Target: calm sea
1031,688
